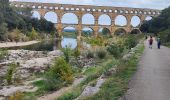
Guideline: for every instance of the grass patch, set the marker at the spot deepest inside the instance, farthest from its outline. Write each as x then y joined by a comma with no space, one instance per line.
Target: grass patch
117,84
92,75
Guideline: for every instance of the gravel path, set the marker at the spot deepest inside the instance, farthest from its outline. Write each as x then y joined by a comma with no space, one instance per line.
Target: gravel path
152,79
14,44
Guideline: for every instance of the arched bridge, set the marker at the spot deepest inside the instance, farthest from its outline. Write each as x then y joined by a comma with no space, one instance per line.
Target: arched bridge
96,11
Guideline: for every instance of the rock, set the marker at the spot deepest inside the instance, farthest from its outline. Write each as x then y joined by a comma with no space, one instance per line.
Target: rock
89,90
55,53
8,91
127,56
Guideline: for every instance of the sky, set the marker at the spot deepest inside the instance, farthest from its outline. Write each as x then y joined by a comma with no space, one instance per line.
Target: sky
104,19
155,4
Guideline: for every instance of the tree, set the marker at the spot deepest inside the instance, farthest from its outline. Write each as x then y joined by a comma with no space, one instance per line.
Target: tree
3,31
33,35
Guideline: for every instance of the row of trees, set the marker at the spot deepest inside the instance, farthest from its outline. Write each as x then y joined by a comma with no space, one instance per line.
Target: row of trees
159,25
12,18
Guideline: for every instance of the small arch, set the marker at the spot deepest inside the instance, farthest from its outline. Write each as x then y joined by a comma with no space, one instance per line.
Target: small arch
69,37
120,32
104,32
135,21
104,20
69,18
88,19
87,32
121,20
135,31
148,18
36,14
51,16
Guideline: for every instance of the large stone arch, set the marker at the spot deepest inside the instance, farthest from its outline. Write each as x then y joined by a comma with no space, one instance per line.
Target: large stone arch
69,18
135,31
104,19
88,30
147,18
120,31
121,20
136,21
88,19
36,14
104,31
51,16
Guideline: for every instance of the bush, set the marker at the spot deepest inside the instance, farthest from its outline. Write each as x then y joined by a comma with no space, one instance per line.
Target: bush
101,53
67,53
90,54
3,54
130,42
17,96
10,72
62,70
52,83
115,50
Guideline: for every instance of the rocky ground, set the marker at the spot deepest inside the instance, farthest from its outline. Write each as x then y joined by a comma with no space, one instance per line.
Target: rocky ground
28,63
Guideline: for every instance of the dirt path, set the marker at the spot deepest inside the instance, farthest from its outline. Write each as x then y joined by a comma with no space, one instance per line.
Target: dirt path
60,92
152,80
14,44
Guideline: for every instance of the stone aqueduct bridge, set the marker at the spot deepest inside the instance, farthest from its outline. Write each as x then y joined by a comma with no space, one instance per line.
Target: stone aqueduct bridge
96,11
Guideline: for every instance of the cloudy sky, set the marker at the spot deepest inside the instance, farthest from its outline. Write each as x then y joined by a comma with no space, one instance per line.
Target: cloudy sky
156,4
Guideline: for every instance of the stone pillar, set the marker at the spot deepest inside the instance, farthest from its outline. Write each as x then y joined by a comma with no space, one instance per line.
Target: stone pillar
42,13
129,26
59,24
142,19
79,26
113,24
96,26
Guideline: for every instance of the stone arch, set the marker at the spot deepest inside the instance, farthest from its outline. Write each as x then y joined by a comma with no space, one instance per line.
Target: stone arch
135,31
69,40
87,32
51,16
69,18
147,18
104,19
88,19
36,14
135,21
121,20
120,31
104,31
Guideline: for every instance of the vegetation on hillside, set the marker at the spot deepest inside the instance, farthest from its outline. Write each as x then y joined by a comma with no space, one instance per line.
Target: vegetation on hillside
20,18
159,26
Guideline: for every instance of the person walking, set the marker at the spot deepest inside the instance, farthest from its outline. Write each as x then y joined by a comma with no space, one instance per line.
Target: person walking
158,43
150,42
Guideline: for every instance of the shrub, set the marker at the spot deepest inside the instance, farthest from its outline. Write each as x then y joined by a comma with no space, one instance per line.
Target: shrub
33,35
17,96
130,42
51,82
90,54
101,53
67,53
3,54
62,70
77,53
115,50
10,72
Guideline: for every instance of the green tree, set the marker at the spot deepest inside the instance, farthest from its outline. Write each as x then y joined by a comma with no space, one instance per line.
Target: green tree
33,35
62,70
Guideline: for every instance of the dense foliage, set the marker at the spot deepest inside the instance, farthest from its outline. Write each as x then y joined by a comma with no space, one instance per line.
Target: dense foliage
12,18
159,25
